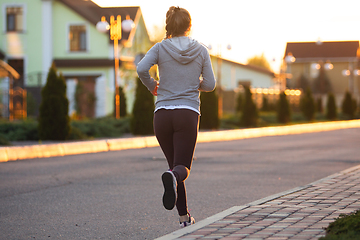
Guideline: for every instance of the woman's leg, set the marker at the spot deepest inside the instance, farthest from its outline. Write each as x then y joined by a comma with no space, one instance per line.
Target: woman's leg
176,132
164,133
184,140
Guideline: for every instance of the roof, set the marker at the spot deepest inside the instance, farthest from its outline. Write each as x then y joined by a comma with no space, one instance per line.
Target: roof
93,13
346,49
249,66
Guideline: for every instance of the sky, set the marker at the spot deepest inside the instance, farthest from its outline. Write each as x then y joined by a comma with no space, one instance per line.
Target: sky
255,27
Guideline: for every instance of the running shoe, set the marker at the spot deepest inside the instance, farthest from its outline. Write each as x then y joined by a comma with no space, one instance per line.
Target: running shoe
187,223
170,186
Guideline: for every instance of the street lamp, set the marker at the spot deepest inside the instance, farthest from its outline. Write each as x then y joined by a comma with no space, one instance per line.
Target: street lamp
115,27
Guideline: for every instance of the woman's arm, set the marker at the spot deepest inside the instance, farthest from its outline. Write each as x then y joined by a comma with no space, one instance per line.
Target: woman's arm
143,67
207,84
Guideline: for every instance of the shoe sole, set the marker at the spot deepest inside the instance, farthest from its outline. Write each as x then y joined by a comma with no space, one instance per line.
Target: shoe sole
169,197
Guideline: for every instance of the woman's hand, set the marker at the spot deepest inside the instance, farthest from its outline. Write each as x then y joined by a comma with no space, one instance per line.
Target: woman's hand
154,92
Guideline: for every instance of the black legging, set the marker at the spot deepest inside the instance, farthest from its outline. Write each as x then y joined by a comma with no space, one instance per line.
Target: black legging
176,131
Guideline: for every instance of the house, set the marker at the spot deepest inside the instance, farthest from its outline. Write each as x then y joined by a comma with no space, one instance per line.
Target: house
231,76
324,66
39,32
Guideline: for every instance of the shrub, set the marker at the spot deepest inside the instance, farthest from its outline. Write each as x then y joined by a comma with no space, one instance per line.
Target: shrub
239,103
346,227
331,112
123,105
249,111
307,105
283,109
348,106
99,128
19,130
143,111
265,104
209,110
319,107
54,122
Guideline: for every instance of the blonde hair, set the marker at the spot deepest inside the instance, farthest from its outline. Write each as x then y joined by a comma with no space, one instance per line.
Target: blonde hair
178,22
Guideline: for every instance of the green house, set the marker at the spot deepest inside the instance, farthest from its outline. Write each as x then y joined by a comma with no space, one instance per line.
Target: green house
39,32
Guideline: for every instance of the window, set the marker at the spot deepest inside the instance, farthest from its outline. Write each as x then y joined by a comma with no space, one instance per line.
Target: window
14,19
77,38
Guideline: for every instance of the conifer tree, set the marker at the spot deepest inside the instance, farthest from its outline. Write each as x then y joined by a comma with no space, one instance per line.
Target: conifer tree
143,111
283,109
331,112
249,113
307,105
265,104
239,103
54,121
209,110
123,103
348,106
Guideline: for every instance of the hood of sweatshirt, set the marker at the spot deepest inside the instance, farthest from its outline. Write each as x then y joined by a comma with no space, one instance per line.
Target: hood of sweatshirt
182,49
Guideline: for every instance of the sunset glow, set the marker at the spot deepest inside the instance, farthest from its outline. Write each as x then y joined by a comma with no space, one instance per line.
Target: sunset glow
256,27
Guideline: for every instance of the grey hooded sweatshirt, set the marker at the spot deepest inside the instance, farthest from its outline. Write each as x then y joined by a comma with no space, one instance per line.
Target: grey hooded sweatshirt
181,62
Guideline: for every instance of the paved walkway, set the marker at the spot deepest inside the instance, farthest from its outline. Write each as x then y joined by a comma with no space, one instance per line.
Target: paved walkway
300,213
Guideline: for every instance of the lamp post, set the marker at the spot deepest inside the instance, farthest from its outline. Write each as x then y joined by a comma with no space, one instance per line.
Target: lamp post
115,26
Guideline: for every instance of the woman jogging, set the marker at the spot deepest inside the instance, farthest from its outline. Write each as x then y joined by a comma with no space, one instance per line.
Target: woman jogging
184,70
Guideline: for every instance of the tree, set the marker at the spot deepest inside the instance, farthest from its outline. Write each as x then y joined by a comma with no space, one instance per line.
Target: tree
259,61
307,105
54,121
283,109
209,110
265,104
143,112
249,111
322,84
348,105
123,103
319,106
302,82
331,112
239,103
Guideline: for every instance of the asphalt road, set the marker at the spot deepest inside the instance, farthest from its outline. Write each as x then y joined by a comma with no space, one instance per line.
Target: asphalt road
117,195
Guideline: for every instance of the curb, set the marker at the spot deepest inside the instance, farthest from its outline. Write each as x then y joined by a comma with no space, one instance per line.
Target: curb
205,222
63,149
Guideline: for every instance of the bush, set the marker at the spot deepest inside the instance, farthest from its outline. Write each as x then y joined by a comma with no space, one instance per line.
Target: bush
319,106
123,103
54,122
348,105
209,110
307,105
239,103
249,111
331,112
143,111
265,104
283,109
4,141
26,130
105,127
346,227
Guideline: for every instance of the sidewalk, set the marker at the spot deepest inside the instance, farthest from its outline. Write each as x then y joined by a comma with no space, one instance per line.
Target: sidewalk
301,213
